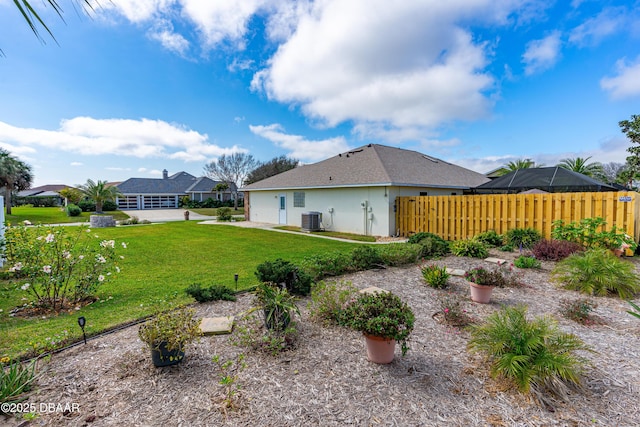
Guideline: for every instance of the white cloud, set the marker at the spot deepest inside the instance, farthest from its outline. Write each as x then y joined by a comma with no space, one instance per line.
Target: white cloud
626,83
142,169
76,164
593,30
347,61
143,138
240,65
163,32
542,54
299,147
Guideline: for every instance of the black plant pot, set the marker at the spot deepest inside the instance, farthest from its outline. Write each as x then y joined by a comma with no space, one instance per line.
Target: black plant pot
163,357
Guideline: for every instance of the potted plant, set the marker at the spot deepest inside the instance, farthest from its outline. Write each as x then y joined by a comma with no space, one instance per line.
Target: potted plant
384,319
482,281
168,333
277,304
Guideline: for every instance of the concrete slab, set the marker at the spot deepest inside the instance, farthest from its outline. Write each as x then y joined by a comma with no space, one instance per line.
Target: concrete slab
498,261
456,271
216,325
372,290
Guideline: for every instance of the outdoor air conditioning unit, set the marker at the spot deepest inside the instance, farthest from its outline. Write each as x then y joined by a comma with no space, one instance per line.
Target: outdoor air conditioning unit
311,221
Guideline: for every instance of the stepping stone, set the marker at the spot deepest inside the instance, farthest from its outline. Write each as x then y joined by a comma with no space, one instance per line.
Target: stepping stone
496,260
216,325
456,271
372,290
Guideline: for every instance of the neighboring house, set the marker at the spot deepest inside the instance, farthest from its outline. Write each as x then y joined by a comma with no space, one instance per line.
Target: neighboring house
355,191
497,172
166,192
33,195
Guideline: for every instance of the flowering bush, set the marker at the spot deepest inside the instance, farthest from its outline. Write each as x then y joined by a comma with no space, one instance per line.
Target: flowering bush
59,266
453,313
500,276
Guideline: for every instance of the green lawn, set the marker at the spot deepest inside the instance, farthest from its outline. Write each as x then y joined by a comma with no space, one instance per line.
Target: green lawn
55,215
161,260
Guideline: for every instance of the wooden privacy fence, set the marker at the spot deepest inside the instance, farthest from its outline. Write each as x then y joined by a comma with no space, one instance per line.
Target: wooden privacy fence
460,217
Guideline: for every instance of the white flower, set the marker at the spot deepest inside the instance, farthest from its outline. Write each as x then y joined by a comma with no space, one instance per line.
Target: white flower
124,245
101,278
108,243
66,254
117,269
50,237
46,269
40,238
26,222
88,230
121,257
80,256
25,286
101,259
16,267
109,274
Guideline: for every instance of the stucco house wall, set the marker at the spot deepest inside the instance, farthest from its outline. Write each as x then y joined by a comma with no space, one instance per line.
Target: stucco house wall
343,209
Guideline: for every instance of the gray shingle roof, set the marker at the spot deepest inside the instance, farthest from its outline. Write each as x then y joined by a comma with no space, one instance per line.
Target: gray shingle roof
372,165
206,185
175,184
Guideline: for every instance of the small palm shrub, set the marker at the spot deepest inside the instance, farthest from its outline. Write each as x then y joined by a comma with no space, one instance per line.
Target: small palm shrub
532,353
210,293
73,210
524,261
395,254
366,257
490,238
524,238
597,272
328,299
555,250
435,276
469,247
224,214
579,310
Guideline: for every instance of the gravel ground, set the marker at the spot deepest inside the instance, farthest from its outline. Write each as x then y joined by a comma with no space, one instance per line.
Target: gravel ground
326,380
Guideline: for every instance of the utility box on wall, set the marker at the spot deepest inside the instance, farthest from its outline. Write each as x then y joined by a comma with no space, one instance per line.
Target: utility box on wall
311,221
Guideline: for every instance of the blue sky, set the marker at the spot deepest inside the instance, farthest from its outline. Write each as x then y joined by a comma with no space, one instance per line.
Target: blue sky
138,86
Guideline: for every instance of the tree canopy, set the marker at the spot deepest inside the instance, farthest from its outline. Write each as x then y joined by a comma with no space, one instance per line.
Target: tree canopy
15,175
631,129
233,168
270,168
99,192
581,165
519,164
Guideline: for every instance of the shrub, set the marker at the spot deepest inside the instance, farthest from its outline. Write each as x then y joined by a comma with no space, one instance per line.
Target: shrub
211,293
523,237
469,247
507,248
365,257
589,233
419,237
250,332
490,238
579,310
433,247
554,250
530,353
175,329
328,300
109,206
16,380
597,272
635,310
61,266
326,265
525,261
87,205
224,214
451,310
394,254
435,276
73,210
296,280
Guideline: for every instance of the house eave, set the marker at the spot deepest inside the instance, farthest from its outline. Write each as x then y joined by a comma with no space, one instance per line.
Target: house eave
378,184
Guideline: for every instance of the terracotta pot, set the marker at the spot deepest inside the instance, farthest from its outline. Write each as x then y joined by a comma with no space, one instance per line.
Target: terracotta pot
480,293
618,252
380,350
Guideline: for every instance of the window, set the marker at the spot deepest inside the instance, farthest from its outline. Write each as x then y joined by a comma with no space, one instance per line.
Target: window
298,199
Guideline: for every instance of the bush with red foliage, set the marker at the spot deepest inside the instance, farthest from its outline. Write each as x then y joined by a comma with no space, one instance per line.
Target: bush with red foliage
555,250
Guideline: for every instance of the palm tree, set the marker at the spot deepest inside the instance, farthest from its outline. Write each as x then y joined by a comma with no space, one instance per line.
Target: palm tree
580,165
15,175
519,164
99,192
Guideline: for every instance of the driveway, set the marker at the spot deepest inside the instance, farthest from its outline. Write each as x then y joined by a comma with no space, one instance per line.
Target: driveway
164,215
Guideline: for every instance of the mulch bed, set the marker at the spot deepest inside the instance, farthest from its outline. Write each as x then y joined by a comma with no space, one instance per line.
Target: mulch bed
326,380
